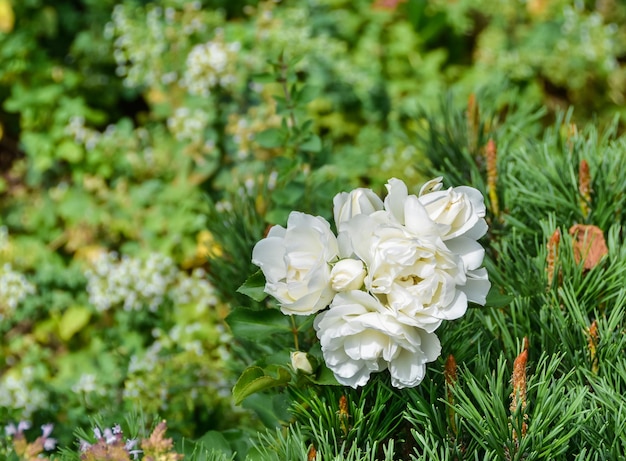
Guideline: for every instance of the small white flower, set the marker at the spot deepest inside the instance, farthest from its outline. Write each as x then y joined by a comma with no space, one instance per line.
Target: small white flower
296,263
347,274
359,336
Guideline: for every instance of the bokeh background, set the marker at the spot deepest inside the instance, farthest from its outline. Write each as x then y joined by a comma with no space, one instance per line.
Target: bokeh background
144,149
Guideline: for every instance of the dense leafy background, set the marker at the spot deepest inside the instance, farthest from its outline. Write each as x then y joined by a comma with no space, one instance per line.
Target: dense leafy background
136,174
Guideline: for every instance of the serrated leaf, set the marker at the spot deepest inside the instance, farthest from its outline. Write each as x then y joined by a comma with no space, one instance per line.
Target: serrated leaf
257,379
312,144
248,324
253,287
74,319
270,138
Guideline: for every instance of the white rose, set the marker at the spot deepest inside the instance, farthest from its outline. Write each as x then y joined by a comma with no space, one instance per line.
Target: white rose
460,211
347,274
300,362
419,275
296,263
359,201
359,335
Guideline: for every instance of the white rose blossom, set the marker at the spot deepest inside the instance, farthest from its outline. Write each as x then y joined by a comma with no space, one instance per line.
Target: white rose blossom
359,336
296,263
396,270
459,210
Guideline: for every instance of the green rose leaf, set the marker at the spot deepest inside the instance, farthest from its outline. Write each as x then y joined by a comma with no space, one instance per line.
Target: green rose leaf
324,377
253,287
249,324
256,379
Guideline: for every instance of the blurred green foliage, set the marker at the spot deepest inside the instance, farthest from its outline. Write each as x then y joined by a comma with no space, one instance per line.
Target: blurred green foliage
138,136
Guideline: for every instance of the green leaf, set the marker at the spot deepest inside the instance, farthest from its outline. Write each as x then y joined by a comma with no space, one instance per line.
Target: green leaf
306,94
495,299
325,376
257,379
249,324
312,144
69,151
214,440
73,320
253,287
264,77
270,138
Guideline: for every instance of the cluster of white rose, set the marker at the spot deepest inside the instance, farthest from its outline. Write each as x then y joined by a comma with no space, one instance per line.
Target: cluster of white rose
382,286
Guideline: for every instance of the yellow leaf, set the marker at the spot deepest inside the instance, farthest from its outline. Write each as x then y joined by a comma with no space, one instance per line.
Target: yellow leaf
7,17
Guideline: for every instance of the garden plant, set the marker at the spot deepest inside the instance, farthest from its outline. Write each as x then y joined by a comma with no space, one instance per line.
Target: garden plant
312,230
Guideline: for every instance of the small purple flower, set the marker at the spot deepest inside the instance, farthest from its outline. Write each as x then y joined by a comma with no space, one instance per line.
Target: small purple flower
46,430
129,447
23,426
109,436
49,444
10,430
83,445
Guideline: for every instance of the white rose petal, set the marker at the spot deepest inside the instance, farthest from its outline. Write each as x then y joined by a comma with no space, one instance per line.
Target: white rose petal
296,263
359,201
477,286
470,251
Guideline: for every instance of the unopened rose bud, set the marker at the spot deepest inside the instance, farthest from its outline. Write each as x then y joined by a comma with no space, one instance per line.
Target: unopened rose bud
300,362
347,274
